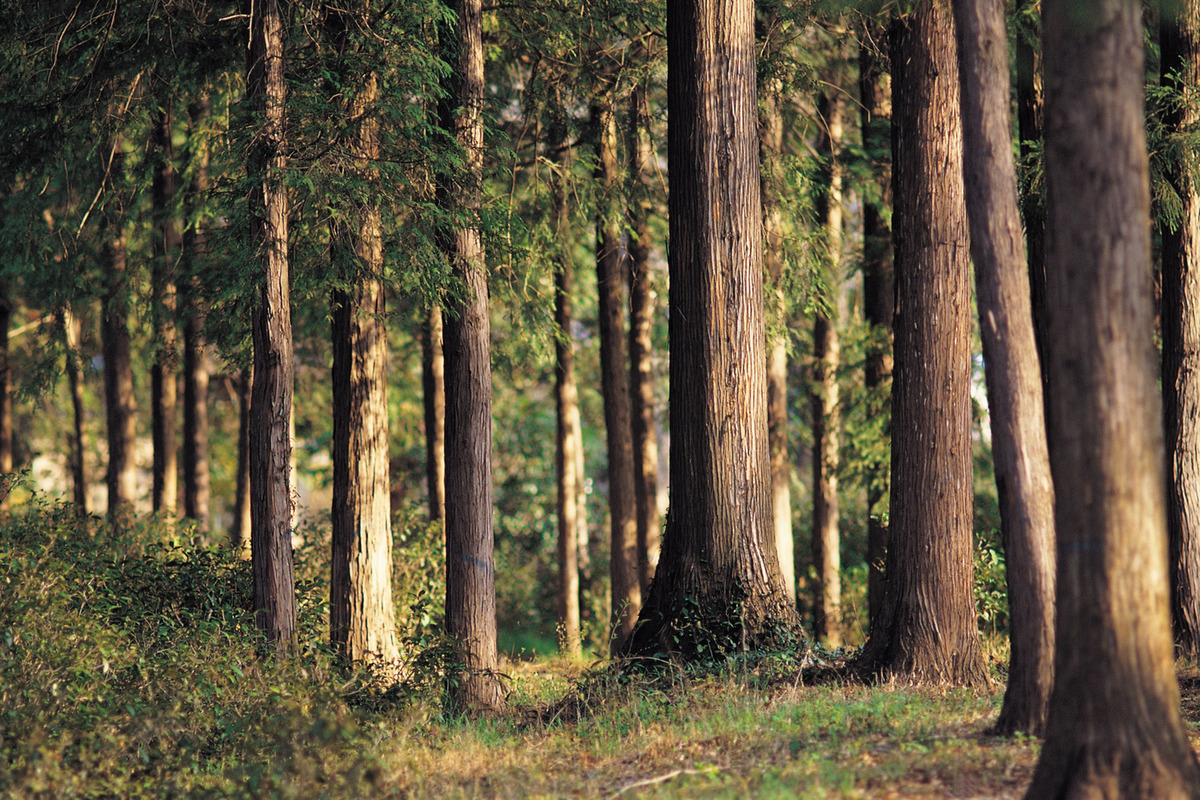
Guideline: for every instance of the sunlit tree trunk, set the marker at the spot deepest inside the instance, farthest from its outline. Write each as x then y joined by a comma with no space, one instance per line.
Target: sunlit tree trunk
163,400
72,333
433,381
1014,376
242,522
196,487
1114,728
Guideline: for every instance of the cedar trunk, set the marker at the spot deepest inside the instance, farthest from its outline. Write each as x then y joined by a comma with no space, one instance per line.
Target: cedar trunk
1014,377
718,587
926,631
163,400
433,383
196,486
1115,728
270,421
1180,41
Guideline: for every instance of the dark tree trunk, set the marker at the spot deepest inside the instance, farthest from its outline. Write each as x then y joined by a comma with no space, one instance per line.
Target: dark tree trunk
878,291
1180,42
641,325
926,631
470,566
614,380
718,588
433,381
196,487
271,402
1014,377
72,332
242,522
1115,728
163,402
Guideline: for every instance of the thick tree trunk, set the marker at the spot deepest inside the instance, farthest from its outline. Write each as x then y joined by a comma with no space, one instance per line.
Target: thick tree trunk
433,381
73,332
1014,377
242,522
824,397
718,588
163,402
878,292
271,402
470,566
926,631
641,348
1115,728
1180,42
196,487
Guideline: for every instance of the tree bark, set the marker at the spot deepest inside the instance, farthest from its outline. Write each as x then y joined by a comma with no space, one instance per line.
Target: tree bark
242,522
614,380
470,567
1014,376
1180,43
718,588
926,631
72,333
196,487
1115,728
270,431
163,402
878,293
433,381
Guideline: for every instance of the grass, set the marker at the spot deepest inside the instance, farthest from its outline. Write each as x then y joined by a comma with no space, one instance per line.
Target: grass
132,670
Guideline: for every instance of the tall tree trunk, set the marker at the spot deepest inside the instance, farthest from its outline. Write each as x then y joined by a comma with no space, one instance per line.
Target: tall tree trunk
569,433
878,291
166,357
196,487
614,380
718,587
641,326
1014,376
433,381
470,566
826,417
242,521
72,333
1115,728
926,631
1180,42
778,441
271,402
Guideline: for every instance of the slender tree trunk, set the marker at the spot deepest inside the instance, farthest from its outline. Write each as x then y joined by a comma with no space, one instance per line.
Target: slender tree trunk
196,487
719,587
470,566
1114,728
6,425
878,292
1180,42
433,379
271,403
242,521
826,418
72,332
926,630
166,357
1014,376
641,348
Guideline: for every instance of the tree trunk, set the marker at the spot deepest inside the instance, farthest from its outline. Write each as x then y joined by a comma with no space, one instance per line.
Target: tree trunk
718,588
1114,728
271,402
878,293
926,631
196,488
1014,376
614,380
6,425
433,381
166,357
1180,42
641,348
826,418
242,522
470,567
72,332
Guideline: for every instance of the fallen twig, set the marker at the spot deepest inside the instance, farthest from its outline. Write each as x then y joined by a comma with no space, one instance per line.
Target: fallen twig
675,773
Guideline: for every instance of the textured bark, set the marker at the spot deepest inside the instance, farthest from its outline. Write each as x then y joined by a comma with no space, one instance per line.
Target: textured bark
1180,42
470,567
433,382
718,587
72,333
1115,728
878,291
926,631
826,417
242,522
568,429
163,399
614,381
641,348
271,401
196,487
1014,377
